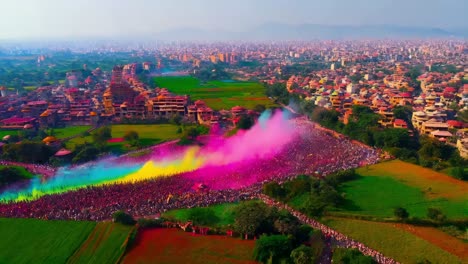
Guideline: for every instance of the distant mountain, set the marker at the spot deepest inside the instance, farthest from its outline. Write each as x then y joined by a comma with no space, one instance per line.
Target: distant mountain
277,31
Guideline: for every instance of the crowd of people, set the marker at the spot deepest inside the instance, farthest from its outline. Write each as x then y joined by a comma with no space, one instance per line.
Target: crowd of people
336,237
37,169
312,152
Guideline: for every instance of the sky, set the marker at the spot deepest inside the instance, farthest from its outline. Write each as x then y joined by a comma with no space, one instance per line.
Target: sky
109,18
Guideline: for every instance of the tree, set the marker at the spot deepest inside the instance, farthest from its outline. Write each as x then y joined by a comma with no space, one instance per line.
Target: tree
249,217
192,133
203,216
302,255
286,223
259,108
436,214
459,173
27,151
313,206
272,249
245,122
131,136
273,189
123,218
9,174
401,213
102,135
85,153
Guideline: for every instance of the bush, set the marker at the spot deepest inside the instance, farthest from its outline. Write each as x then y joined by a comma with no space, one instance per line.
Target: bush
203,216
435,214
401,213
350,256
150,223
123,218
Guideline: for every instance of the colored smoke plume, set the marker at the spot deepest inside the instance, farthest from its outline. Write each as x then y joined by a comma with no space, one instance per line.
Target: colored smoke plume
267,137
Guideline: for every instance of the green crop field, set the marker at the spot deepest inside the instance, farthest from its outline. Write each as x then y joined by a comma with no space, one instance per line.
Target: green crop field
392,241
26,174
8,132
37,241
69,131
162,245
217,94
378,196
384,186
149,135
106,244
224,212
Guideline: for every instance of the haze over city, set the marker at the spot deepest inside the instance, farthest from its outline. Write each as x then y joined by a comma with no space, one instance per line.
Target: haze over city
55,19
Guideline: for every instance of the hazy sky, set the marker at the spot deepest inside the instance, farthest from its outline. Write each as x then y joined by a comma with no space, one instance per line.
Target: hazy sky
91,18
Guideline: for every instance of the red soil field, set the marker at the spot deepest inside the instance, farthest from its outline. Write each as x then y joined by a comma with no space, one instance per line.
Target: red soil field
438,238
162,245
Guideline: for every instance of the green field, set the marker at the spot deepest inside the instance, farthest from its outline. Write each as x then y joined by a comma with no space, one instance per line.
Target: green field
224,212
217,94
378,196
106,244
149,135
26,174
8,132
69,131
387,185
37,241
392,241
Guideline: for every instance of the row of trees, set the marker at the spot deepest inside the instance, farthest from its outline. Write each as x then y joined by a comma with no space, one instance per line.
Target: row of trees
320,194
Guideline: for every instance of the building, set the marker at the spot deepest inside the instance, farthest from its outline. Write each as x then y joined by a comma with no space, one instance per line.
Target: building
119,87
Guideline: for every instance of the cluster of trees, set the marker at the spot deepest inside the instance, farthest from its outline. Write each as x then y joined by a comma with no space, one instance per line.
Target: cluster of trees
11,174
90,151
434,214
319,195
123,218
363,126
278,92
191,132
132,138
27,151
212,72
282,237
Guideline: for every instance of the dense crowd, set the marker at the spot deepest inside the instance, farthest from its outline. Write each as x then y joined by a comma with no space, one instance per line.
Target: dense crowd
37,169
312,152
336,237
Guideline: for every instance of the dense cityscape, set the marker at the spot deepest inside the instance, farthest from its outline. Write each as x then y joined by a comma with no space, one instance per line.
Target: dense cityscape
286,143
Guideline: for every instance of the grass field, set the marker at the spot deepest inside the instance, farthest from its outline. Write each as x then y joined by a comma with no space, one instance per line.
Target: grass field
163,245
26,174
149,135
217,94
8,132
37,241
395,242
224,212
106,244
384,186
69,131
440,185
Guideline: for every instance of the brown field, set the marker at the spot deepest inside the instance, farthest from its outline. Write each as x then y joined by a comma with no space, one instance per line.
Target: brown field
439,184
163,245
437,237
